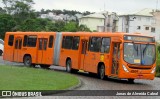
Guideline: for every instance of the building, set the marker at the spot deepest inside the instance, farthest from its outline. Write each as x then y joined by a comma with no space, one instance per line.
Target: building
139,21
92,21
60,17
156,16
103,21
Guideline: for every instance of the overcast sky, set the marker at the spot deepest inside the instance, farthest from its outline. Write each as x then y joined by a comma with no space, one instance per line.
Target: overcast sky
120,6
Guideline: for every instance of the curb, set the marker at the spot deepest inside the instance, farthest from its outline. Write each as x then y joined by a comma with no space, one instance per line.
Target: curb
47,93
76,86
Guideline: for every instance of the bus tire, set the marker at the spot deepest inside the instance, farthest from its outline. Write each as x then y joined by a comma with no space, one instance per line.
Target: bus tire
1,52
27,61
101,72
131,81
68,66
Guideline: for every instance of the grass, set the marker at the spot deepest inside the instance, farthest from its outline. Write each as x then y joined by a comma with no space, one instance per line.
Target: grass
24,78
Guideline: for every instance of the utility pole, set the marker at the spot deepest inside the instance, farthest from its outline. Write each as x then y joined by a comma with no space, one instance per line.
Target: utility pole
105,19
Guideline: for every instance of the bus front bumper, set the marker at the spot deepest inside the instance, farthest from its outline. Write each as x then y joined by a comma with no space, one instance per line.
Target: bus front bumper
136,76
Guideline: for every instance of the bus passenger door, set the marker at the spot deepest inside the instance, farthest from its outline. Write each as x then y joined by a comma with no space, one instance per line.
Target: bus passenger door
17,49
42,51
115,59
83,53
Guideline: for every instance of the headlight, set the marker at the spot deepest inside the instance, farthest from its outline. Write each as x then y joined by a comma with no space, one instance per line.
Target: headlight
125,69
153,70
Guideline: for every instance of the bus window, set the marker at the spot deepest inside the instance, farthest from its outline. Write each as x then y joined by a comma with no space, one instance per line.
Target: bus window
105,45
50,45
40,44
75,43
45,44
16,44
67,42
32,41
25,41
63,42
20,43
95,44
11,39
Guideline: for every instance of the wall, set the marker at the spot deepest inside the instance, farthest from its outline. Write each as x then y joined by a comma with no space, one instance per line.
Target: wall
91,23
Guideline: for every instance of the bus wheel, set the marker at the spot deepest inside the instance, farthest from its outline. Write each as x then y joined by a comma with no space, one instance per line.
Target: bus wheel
68,66
27,61
101,72
131,81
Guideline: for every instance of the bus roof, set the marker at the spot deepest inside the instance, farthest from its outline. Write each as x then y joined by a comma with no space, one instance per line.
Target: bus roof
120,34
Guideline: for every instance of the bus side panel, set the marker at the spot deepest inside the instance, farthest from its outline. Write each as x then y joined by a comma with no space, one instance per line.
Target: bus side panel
50,52
29,51
8,50
90,62
107,62
75,59
68,53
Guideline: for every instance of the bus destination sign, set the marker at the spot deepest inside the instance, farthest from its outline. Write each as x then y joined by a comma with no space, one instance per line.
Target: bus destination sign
139,39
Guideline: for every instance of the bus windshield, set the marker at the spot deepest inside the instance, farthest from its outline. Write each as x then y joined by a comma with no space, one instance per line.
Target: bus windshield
140,54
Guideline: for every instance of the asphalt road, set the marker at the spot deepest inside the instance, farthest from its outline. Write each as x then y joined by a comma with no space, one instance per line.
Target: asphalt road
93,83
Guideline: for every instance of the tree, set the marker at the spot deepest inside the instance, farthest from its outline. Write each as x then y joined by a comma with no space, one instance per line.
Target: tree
7,23
20,9
37,24
83,28
2,11
71,27
17,6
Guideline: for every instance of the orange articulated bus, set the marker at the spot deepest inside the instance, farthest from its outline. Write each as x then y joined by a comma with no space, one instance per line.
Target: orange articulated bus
116,55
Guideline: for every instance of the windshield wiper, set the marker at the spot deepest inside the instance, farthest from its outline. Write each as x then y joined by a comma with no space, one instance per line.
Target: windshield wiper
145,48
135,48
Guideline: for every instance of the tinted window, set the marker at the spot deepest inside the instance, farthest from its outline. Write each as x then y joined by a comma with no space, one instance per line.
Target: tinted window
25,41
63,42
16,44
11,39
105,45
50,42
45,44
20,44
32,41
67,42
75,43
40,44
95,44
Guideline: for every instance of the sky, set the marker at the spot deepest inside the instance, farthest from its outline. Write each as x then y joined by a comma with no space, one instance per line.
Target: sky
119,6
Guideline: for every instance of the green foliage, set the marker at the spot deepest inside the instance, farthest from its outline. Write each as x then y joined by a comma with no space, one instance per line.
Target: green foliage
7,23
34,25
84,28
2,11
158,48
71,27
158,61
19,9
17,6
